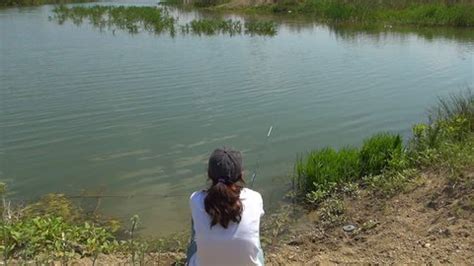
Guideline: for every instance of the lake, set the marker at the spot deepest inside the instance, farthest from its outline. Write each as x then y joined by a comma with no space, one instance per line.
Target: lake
135,116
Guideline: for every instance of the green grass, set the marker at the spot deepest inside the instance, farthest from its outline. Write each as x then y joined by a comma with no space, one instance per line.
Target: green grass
157,20
131,18
260,28
417,12
321,170
213,26
384,164
378,152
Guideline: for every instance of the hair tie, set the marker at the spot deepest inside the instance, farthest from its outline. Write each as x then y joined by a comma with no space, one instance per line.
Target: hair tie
222,180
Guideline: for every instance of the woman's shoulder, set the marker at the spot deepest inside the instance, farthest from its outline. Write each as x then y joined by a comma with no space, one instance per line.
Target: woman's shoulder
197,196
248,193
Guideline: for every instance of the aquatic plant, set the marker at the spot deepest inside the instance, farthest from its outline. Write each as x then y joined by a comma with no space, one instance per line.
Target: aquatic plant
261,27
157,20
215,26
131,18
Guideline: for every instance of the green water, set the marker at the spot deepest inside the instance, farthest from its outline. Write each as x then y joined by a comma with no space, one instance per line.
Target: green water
102,111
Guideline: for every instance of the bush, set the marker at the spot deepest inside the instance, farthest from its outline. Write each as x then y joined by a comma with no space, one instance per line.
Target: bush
379,152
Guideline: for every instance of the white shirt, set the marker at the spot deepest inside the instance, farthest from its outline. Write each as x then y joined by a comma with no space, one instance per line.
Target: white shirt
239,244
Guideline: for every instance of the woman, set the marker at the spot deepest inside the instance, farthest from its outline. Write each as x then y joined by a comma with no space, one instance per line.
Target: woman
226,217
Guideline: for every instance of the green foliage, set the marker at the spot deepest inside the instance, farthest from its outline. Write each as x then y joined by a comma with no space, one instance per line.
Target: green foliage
130,18
379,152
447,142
260,28
323,169
384,165
416,12
331,212
214,26
157,20
389,183
54,237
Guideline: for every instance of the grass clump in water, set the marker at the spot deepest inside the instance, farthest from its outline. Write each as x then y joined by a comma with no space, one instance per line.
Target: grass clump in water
261,28
131,19
214,26
157,20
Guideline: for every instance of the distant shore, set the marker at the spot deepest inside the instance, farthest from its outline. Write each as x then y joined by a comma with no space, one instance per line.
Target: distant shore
418,13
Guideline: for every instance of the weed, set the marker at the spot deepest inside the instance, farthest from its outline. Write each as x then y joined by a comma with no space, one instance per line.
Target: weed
331,212
379,152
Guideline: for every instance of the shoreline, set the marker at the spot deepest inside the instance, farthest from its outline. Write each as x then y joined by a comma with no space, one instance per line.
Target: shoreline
361,12
401,200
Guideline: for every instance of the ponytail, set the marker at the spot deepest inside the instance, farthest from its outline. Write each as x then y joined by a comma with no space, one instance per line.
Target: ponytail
222,201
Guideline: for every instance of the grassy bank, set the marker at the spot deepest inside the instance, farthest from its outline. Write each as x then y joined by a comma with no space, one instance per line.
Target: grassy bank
158,20
21,3
384,163
422,13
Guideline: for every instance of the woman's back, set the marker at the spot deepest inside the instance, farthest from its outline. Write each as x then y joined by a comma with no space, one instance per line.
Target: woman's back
238,244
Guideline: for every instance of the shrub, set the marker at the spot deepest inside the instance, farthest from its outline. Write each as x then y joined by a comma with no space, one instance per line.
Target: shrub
379,152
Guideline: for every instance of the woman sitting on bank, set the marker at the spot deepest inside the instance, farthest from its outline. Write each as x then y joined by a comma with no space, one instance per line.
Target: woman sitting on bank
226,217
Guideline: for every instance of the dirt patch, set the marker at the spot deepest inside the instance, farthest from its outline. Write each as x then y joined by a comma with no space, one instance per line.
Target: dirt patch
432,222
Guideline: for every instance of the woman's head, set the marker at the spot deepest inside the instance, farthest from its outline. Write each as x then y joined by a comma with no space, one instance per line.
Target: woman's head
222,202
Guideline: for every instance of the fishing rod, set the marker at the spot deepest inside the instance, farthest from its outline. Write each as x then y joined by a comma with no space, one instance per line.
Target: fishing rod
257,165
94,196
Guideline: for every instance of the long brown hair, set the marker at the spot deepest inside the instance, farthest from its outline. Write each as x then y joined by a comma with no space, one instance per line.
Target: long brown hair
222,201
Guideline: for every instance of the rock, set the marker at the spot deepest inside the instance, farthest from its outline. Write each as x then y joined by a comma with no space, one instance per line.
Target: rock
445,232
427,245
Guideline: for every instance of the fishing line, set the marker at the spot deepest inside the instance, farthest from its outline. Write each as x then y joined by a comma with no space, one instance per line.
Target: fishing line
260,156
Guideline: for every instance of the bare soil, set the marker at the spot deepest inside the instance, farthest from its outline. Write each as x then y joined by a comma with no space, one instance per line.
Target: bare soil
431,223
